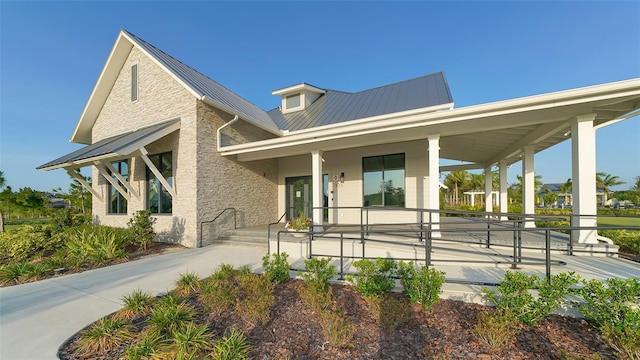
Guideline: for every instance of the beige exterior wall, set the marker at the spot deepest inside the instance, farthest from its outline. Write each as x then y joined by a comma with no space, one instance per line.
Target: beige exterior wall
160,98
349,192
223,182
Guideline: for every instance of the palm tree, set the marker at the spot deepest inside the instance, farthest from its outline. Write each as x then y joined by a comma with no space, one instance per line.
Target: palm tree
566,189
636,184
2,183
606,181
456,179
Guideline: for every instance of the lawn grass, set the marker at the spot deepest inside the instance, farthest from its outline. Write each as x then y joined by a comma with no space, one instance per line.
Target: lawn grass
618,221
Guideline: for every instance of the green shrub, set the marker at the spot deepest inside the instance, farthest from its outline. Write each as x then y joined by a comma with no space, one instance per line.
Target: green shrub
187,283
143,348
105,335
26,243
14,273
628,240
421,284
192,341
166,318
610,304
141,229
374,278
255,299
318,272
276,269
61,219
97,243
391,312
233,346
136,304
625,342
514,295
495,330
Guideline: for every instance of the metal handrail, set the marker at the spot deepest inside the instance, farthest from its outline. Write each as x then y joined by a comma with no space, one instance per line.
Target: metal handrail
235,223
269,231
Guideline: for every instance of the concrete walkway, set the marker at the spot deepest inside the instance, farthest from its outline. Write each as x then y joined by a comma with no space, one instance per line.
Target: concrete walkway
38,317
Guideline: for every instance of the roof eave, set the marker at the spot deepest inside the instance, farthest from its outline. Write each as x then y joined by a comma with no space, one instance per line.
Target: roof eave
225,108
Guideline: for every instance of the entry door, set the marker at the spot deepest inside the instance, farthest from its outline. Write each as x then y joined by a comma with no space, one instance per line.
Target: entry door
299,198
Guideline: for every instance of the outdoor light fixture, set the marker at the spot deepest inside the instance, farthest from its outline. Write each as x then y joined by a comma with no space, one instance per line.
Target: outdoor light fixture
341,177
567,133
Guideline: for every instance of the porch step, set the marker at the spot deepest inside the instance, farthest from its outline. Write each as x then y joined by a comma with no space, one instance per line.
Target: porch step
243,236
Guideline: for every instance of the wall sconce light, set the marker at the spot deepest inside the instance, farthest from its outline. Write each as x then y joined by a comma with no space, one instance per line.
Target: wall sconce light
341,177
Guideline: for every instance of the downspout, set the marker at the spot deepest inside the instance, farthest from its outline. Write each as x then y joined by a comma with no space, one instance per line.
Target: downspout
218,132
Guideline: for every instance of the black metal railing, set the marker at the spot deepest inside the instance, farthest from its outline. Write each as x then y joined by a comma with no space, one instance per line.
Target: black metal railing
235,222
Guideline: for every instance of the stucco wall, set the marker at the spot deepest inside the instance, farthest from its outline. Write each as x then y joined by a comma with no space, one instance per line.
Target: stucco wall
349,192
223,182
160,98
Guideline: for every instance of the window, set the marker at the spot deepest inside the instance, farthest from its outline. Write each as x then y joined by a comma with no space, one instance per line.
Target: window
117,202
158,198
383,179
134,82
293,101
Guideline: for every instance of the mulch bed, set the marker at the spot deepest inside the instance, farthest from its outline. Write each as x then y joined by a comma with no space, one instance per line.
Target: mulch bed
443,332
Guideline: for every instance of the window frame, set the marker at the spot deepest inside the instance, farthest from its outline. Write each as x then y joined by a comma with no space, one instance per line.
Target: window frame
162,192
134,82
120,199
380,167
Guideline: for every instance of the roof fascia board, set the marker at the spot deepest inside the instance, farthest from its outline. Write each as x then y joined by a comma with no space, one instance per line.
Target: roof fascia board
403,120
470,166
209,101
296,88
149,138
107,78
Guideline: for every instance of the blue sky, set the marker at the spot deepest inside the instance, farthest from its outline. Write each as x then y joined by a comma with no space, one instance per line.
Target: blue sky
51,54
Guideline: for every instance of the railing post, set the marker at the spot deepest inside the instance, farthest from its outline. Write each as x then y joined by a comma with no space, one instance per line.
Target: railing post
427,251
341,256
515,244
421,225
547,240
520,227
488,233
278,244
310,250
571,235
362,225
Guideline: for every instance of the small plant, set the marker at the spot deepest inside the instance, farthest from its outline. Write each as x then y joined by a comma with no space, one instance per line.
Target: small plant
233,346
336,326
36,271
105,335
218,296
495,330
614,310
514,295
224,272
13,274
374,278
136,304
141,228
317,298
164,320
255,299
187,283
300,223
192,341
318,272
421,284
276,269
143,349
391,312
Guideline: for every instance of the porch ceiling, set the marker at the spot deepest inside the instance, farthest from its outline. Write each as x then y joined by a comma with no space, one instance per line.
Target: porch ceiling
482,134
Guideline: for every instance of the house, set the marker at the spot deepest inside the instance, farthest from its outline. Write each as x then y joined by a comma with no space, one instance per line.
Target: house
162,136
558,189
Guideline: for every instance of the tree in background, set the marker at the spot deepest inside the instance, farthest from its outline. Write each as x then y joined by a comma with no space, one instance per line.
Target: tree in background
455,180
549,198
606,182
78,195
566,188
515,190
2,182
32,201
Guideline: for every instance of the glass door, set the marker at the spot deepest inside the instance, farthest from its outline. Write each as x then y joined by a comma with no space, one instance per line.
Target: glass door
298,197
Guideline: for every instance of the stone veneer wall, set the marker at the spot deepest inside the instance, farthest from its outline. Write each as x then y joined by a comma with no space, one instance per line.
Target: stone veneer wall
160,97
249,187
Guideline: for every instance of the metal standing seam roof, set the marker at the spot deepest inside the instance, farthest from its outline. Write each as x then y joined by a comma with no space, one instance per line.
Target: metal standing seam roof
338,106
206,86
123,144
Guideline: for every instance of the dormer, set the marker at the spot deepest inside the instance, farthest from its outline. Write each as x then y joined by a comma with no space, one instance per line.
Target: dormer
297,97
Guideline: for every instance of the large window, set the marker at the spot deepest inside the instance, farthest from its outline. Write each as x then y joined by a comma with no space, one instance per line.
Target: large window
117,202
383,179
158,198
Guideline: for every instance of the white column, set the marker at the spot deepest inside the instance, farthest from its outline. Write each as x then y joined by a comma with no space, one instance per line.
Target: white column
488,189
316,180
434,182
504,201
583,176
528,184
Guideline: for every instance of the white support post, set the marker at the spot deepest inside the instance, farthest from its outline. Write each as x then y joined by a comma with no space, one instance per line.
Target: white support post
318,189
488,190
434,183
111,181
121,178
504,201
528,185
583,177
76,175
156,172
